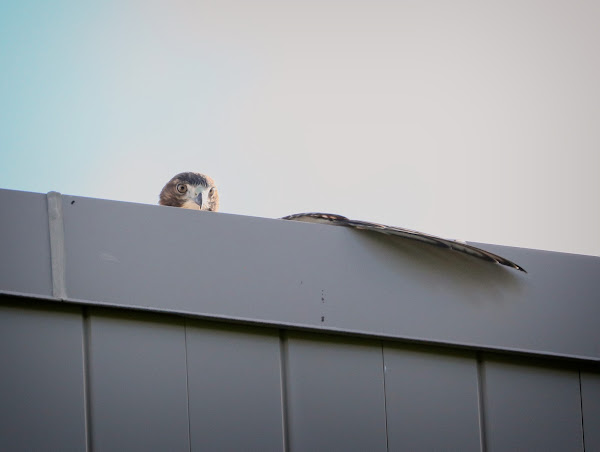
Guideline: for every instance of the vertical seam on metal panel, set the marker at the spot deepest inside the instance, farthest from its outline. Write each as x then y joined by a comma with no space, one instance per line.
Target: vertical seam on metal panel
187,384
283,372
581,410
57,244
387,442
87,389
481,401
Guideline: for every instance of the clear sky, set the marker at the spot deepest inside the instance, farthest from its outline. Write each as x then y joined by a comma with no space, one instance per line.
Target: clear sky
464,119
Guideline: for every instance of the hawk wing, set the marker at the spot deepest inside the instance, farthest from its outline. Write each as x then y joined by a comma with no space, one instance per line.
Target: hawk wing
339,220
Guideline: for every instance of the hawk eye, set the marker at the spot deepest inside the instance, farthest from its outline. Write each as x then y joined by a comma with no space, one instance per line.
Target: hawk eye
212,191
181,188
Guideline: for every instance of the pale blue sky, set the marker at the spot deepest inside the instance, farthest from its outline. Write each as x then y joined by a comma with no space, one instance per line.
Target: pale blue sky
90,94
471,121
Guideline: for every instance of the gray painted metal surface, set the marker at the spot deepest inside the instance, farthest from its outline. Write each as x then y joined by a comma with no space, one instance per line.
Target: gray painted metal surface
235,394
590,406
161,382
138,383
57,244
42,404
330,278
99,373
532,407
335,394
432,399
24,244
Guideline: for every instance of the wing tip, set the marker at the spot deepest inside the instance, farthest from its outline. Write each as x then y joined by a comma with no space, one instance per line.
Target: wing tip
318,217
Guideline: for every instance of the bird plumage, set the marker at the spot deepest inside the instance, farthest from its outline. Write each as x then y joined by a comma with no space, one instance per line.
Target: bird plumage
200,193
339,220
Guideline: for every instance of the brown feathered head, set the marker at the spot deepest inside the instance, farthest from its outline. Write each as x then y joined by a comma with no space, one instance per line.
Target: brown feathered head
190,191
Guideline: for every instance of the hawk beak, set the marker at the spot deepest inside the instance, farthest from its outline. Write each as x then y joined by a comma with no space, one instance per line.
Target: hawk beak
198,200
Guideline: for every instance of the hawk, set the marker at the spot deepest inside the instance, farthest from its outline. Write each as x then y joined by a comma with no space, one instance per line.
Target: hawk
198,192
190,191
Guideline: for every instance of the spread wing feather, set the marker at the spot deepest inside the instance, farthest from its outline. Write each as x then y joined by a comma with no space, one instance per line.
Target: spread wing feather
339,220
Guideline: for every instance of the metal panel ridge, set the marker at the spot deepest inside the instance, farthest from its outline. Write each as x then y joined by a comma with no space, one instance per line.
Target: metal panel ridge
57,244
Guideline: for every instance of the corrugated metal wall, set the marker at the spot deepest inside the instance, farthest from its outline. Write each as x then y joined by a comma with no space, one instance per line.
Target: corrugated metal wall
126,380
133,327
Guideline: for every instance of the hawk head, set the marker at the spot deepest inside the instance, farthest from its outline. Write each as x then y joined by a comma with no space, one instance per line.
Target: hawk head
190,191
